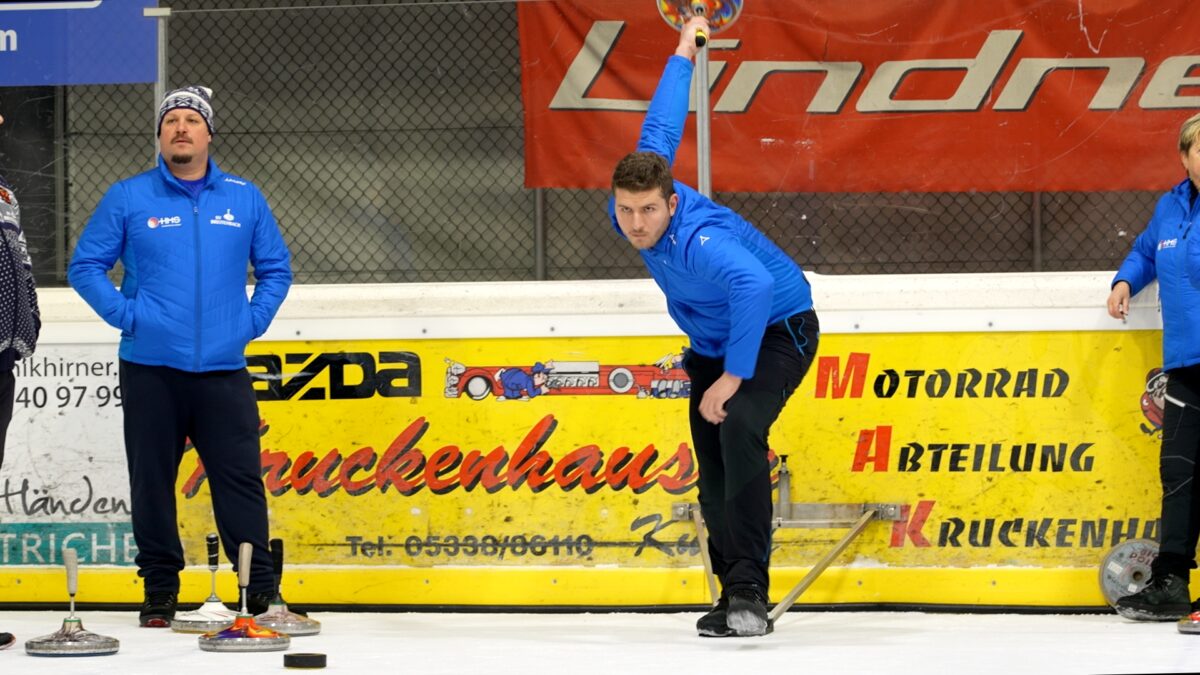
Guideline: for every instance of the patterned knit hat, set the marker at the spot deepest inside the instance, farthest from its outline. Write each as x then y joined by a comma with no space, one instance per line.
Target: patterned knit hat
194,98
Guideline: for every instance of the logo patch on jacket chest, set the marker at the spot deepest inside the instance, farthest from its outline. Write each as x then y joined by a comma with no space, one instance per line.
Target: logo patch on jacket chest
228,220
164,221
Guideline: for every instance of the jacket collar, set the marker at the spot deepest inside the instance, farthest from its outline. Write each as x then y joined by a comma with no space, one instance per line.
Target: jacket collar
668,238
211,176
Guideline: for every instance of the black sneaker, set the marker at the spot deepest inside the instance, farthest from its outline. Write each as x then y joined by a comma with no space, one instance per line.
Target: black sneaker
1165,598
747,614
7,640
158,609
713,624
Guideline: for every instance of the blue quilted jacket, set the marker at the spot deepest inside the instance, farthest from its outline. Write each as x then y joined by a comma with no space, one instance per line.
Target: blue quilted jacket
182,301
724,280
1169,250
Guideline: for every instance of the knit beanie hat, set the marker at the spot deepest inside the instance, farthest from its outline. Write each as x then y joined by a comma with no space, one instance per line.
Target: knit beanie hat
194,98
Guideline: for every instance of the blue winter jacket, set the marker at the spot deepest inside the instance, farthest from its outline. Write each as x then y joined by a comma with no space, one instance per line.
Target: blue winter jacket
724,280
183,301
1164,251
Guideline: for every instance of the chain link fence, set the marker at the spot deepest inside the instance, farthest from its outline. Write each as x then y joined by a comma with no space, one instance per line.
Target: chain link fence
388,138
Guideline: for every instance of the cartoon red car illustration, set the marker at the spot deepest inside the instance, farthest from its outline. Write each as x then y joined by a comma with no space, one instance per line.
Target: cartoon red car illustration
664,379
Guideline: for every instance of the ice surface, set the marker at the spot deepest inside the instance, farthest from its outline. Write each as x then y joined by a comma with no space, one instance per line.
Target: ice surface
845,643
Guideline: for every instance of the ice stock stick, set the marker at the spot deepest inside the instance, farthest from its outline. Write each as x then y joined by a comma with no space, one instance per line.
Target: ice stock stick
214,561
71,562
245,554
277,561
700,9
214,551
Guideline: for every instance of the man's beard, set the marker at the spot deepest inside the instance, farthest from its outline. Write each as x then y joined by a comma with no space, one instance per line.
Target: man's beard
181,159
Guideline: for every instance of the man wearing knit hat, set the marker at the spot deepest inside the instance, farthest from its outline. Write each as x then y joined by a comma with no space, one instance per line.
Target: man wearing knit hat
186,232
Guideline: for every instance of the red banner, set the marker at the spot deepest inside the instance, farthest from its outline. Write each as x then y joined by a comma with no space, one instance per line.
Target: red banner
877,96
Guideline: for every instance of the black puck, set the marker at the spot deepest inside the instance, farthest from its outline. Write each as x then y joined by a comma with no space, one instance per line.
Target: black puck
302,660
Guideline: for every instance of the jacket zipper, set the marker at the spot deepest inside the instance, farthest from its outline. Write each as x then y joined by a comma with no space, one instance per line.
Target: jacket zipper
1189,208
196,238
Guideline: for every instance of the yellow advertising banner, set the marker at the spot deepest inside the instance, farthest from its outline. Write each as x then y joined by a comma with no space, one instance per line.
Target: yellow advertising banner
1024,450
535,472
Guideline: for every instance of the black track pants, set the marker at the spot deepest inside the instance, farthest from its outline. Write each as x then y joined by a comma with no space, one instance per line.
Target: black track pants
217,410
735,474
1180,525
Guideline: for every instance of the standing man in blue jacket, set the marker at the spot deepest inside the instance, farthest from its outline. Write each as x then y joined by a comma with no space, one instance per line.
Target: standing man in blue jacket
747,308
186,232
20,321
1165,252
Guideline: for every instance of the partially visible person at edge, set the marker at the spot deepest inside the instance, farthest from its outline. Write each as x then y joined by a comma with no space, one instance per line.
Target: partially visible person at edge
747,309
20,321
1165,252
185,232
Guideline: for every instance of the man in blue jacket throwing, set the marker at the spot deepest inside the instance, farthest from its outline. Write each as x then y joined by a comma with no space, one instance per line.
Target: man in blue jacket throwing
747,308
185,232
1164,252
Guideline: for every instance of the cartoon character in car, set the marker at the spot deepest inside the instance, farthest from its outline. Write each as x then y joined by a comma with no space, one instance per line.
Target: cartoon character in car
519,384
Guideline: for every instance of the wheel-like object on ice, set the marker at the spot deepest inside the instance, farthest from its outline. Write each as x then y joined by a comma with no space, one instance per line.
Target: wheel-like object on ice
1126,569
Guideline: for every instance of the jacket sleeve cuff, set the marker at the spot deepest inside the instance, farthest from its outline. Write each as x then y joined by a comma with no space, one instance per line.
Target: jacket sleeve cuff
740,368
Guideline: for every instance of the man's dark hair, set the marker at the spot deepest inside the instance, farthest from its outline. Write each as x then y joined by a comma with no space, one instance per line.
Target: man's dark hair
641,171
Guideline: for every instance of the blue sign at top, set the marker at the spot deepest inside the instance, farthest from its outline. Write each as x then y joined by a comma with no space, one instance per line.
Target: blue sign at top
90,42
